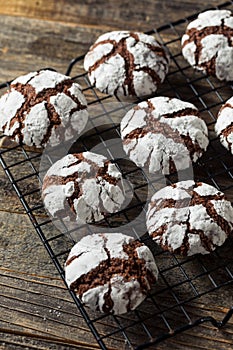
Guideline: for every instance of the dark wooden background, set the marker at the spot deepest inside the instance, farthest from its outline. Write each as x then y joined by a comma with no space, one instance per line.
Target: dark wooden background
36,311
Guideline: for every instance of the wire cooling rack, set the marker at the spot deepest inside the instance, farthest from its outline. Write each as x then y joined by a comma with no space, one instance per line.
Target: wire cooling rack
181,280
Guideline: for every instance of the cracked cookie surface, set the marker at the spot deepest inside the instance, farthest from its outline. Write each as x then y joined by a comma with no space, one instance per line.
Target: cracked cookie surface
126,63
224,125
110,272
164,134
41,107
208,43
188,218
83,188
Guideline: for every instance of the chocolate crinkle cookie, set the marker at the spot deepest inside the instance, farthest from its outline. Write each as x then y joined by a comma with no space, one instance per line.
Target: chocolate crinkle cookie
188,218
126,63
41,107
111,272
224,125
83,188
208,43
164,134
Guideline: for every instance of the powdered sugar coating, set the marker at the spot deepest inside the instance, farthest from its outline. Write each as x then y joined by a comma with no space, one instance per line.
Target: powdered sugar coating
42,107
208,43
224,125
83,187
211,18
189,218
126,63
9,105
164,134
110,272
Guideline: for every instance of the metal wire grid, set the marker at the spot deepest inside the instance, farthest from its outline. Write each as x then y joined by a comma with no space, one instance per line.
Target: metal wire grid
165,312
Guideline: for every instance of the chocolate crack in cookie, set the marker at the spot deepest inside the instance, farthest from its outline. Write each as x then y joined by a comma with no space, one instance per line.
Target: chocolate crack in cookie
224,125
83,187
110,272
188,218
126,63
164,134
42,107
208,44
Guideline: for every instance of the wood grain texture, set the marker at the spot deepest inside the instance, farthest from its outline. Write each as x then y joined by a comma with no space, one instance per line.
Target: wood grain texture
69,28
28,44
36,311
38,308
134,14
138,15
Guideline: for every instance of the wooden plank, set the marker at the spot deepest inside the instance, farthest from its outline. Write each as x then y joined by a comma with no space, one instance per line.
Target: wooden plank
27,45
138,15
20,246
38,311
40,307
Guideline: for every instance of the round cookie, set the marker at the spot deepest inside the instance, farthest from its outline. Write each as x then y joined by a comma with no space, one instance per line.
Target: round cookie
188,218
110,272
126,63
164,134
42,107
224,125
83,187
208,43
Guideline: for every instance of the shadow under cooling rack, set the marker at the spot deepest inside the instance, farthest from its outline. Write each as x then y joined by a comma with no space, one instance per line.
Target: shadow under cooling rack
168,309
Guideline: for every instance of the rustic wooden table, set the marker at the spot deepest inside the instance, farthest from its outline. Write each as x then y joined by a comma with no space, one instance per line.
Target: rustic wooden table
36,311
